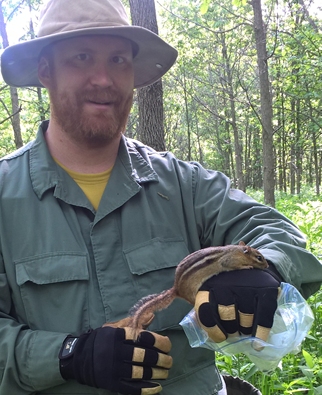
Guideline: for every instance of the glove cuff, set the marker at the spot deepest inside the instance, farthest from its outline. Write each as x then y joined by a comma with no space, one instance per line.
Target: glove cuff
65,356
75,353
274,272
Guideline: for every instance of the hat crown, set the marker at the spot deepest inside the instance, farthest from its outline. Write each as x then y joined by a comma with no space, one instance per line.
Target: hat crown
59,16
65,19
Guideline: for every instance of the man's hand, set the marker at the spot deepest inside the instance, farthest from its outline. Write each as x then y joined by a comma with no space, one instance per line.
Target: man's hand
109,358
238,302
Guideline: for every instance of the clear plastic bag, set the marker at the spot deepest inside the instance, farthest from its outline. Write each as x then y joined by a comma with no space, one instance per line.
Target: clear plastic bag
292,322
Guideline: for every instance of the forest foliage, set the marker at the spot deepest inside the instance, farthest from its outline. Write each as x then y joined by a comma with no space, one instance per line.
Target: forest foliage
212,114
211,97
298,372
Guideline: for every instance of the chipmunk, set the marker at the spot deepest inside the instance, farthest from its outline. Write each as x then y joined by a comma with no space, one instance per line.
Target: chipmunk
190,274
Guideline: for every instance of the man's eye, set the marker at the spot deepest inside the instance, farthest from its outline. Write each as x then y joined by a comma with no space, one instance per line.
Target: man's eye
82,56
118,59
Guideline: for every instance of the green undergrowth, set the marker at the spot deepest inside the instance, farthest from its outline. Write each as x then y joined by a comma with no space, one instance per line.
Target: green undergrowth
297,373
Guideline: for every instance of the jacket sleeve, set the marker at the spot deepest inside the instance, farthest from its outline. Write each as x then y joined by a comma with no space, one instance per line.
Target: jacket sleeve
28,359
227,216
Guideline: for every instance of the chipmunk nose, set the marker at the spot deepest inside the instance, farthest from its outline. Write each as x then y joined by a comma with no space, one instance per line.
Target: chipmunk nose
263,261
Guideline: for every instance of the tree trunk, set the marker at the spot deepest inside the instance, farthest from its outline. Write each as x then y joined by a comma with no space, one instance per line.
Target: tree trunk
42,111
150,98
15,106
231,94
15,119
280,143
185,96
299,149
316,164
266,105
292,151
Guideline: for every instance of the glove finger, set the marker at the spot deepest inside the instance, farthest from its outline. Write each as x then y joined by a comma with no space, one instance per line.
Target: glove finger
246,300
139,387
149,339
208,318
148,373
229,319
264,317
149,357
246,320
151,390
225,300
136,372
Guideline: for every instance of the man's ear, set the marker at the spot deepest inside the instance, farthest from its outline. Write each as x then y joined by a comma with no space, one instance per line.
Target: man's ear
44,71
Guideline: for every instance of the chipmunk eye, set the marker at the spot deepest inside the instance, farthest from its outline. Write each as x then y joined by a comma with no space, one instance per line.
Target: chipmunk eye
259,258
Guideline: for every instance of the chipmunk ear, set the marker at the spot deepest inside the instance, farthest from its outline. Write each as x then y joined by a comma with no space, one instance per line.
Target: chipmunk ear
246,248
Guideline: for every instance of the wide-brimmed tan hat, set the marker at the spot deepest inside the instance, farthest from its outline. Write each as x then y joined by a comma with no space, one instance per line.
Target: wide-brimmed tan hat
61,19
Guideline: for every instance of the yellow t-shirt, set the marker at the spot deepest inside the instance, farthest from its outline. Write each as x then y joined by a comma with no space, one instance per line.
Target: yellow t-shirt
93,185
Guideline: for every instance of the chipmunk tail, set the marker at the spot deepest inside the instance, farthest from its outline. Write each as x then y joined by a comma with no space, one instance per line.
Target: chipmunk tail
148,305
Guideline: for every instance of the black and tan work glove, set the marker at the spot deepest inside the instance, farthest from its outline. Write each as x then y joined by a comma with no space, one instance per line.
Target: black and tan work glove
108,358
240,302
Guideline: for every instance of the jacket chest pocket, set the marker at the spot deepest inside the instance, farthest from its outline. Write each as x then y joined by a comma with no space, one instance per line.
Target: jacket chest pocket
53,291
153,265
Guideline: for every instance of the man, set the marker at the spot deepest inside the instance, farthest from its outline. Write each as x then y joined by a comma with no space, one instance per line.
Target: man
91,221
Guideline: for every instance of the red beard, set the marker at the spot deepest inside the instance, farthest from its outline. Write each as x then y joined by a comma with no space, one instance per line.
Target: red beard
91,127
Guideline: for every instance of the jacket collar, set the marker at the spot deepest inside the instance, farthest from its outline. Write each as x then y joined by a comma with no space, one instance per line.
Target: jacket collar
132,162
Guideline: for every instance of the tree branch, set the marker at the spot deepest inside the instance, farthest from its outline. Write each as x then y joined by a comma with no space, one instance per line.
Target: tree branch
8,112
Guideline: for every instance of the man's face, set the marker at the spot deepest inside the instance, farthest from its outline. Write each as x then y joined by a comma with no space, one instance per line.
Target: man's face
90,84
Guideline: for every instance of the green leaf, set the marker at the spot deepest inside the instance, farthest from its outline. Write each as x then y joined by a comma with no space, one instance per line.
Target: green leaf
204,7
318,390
308,359
239,3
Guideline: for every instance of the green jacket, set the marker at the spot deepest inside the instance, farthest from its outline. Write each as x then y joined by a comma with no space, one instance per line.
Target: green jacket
65,268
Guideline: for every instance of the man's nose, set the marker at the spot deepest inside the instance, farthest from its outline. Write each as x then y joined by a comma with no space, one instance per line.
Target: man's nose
101,75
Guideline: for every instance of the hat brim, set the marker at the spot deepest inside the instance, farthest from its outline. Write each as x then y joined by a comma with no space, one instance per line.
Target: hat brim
19,62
